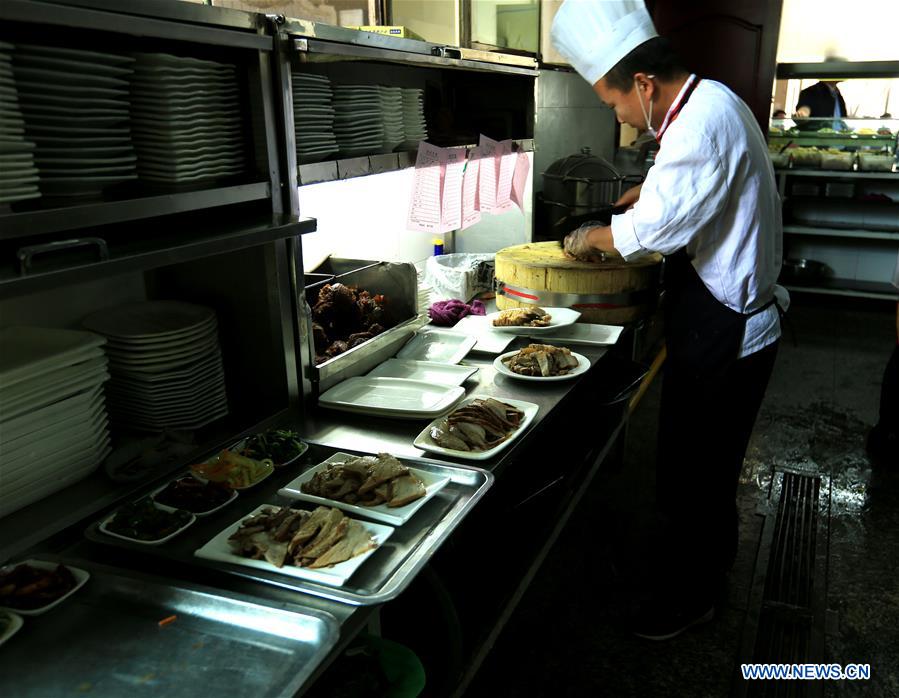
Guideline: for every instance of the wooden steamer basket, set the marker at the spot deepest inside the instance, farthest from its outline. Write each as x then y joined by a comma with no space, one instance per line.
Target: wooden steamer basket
613,292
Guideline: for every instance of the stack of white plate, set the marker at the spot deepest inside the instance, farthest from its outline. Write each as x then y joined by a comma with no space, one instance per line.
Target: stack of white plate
186,119
392,116
357,119
415,127
166,365
313,117
75,105
53,427
18,175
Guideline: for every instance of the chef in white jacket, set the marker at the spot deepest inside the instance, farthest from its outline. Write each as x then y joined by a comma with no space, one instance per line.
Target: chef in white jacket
710,205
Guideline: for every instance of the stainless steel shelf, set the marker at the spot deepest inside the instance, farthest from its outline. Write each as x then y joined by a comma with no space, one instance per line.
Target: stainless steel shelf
348,168
850,287
837,174
169,246
48,220
839,233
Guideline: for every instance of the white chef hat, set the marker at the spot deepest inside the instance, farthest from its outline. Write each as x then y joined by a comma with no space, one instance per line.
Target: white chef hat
594,35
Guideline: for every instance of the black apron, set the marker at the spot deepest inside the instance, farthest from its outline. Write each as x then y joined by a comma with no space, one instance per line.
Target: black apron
703,336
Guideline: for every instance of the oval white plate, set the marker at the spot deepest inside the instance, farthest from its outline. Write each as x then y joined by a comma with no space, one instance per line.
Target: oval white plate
561,317
583,365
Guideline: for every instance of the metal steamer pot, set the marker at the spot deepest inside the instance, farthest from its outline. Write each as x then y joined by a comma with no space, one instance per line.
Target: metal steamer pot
576,188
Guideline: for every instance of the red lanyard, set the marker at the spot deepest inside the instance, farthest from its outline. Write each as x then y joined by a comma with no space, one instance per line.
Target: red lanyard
675,109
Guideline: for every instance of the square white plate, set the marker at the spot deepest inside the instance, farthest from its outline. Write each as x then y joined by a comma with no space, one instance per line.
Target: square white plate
160,541
428,371
561,317
219,549
584,333
437,346
489,340
80,578
198,514
392,397
426,443
583,365
29,351
395,516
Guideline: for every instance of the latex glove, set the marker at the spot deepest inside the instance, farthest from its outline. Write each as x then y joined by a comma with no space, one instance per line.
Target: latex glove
576,244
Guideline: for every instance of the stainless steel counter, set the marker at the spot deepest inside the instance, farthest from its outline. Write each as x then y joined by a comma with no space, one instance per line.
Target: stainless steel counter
376,434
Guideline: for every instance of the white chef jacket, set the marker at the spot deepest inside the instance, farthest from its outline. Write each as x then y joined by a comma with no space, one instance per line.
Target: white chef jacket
712,191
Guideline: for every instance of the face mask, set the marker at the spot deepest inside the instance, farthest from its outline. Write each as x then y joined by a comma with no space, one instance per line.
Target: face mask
648,116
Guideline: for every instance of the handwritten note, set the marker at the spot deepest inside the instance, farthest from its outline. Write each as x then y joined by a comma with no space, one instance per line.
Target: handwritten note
425,202
451,197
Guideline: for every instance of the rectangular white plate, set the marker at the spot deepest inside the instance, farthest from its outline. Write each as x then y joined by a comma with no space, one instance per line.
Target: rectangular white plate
394,397
583,333
80,578
160,541
437,346
396,516
561,317
219,549
428,371
488,339
426,443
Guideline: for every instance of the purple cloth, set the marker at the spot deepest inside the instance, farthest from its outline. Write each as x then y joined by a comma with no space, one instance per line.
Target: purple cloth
448,313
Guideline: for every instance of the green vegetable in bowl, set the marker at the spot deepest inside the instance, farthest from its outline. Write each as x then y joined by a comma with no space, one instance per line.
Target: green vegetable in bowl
279,445
143,521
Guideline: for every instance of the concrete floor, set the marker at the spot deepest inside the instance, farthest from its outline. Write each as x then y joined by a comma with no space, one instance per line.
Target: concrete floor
563,639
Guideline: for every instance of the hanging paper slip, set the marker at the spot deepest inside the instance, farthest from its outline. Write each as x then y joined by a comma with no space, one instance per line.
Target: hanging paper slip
520,179
425,204
451,199
506,161
487,175
470,212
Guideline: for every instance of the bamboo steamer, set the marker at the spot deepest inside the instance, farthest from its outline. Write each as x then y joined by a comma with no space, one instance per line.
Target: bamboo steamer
611,292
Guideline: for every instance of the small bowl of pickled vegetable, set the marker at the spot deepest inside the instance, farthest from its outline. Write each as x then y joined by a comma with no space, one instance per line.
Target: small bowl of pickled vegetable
233,470
281,446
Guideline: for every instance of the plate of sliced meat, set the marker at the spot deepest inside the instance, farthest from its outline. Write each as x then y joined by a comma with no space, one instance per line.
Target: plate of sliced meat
478,429
323,545
542,362
532,319
377,487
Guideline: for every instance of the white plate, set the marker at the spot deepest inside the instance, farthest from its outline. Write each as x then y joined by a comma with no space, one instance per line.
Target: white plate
219,550
437,346
30,453
51,468
27,352
584,333
561,317
172,61
105,522
427,371
426,443
149,320
12,501
80,578
66,420
478,326
70,64
583,365
78,54
69,77
198,514
40,419
391,397
396,516
14,624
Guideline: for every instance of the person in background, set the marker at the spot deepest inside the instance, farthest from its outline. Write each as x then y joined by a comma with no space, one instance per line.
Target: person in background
710,205
822,99
779,114
883,440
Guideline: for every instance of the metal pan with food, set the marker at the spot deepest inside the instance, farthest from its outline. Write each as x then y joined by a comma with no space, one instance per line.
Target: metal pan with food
233,470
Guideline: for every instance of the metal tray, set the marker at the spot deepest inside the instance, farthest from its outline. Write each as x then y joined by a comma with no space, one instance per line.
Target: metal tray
382,577
107,640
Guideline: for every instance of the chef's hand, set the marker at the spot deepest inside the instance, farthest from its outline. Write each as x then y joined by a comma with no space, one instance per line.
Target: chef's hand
576,244
630,197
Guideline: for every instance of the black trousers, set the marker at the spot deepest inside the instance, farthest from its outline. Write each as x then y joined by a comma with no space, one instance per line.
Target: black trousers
704,429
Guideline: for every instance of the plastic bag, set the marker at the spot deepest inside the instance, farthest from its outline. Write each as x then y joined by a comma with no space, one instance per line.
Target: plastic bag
459,275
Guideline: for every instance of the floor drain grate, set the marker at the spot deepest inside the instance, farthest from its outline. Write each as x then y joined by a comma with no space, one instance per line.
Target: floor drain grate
785,618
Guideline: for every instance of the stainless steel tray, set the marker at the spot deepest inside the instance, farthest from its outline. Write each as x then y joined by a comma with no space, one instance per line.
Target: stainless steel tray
106,640
382,577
